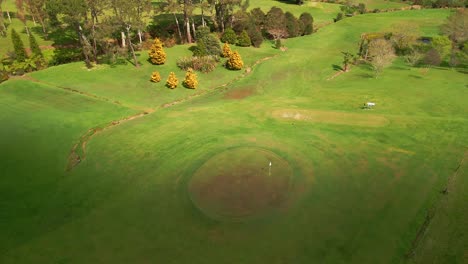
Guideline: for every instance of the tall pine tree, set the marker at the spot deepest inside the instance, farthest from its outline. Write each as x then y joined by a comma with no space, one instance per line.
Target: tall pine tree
18,46
36,51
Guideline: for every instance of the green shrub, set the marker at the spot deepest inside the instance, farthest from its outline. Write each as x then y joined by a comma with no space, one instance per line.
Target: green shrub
244,39
229,36
256,37
339,17
207,43
307,23
292,25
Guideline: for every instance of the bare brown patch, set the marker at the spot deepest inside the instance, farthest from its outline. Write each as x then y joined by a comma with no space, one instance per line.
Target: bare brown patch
239,195
239,183
240,93
399,150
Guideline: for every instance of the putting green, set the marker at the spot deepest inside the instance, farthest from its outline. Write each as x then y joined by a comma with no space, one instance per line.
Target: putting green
238,184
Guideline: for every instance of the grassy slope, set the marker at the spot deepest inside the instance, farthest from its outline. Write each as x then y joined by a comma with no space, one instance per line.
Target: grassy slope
39,126
445,240
363,194
129,85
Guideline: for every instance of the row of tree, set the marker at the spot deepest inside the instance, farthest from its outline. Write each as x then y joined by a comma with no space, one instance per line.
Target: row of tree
172,82
97,29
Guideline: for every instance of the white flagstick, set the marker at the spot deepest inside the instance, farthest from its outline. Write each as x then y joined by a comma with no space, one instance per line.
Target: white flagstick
269,172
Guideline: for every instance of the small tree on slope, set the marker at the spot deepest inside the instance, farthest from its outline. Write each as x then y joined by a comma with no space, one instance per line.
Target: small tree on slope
156,53
190,79
235,61
172,81
226,51
18,46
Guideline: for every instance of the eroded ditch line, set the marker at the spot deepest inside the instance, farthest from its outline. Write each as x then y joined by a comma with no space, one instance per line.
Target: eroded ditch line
78,151
434,208
73,90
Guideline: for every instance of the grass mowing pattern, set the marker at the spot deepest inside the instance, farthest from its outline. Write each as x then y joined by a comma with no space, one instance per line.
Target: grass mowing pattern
362,191
240,183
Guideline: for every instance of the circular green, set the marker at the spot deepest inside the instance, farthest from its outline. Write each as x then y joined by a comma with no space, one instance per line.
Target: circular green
239,183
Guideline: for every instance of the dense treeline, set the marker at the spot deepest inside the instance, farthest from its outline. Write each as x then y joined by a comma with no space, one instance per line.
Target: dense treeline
110,31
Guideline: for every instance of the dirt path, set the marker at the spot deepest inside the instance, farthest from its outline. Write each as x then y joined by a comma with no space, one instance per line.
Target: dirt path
78,151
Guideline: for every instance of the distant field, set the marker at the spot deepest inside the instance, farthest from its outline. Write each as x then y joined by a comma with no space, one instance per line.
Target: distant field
277,165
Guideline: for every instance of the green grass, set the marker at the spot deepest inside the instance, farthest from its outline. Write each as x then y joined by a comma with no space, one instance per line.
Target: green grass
43,124
363,181
445,239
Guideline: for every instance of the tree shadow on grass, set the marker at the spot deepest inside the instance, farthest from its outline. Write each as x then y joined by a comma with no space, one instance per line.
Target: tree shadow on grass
337,67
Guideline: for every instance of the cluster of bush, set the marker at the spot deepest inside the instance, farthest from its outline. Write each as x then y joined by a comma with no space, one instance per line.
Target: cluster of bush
449,49
172,82
349,10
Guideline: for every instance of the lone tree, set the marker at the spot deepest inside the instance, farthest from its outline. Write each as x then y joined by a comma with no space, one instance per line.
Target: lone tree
382,54
156,53
190,81
348,59
226,51
155,77
172,81
18,46
235,61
